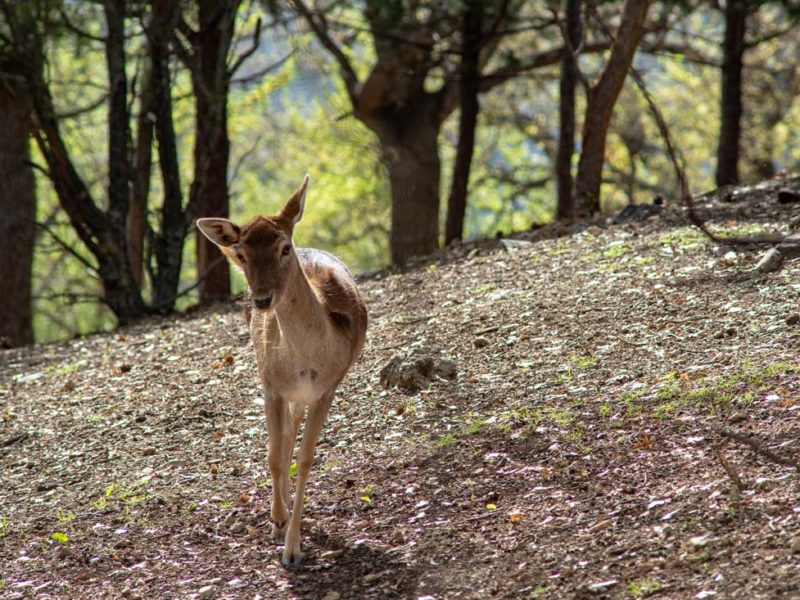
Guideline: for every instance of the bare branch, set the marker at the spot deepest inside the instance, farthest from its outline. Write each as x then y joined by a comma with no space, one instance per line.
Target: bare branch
101,100
773,34
69,249
77,30
737,481
249,52
542,59
256,75
321,30
196,284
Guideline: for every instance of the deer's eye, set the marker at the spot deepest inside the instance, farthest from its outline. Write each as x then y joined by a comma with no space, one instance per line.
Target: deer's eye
286,250
240,257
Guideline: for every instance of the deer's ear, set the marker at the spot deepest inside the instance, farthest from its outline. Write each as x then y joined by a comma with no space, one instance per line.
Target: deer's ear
222,232
292,211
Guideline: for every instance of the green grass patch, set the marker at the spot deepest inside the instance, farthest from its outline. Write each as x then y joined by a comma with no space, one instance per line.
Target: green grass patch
674,391
582,362
446,440
616,250
643,587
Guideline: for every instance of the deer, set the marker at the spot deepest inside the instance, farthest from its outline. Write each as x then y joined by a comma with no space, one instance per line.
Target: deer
308,324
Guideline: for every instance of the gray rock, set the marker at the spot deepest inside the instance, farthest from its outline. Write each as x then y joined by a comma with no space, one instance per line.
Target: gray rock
511,245
205,593
770,262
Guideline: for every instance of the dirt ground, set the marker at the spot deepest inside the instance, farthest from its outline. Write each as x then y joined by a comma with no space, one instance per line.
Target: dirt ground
581,452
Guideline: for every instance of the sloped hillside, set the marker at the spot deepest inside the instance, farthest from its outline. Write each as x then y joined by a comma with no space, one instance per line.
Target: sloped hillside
580,452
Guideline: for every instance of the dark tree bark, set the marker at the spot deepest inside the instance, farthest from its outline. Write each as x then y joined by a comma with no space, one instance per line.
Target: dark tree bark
733,48
468,119
142,167
168,242
567,84
410,153
209,190
17,214
600,106
124,290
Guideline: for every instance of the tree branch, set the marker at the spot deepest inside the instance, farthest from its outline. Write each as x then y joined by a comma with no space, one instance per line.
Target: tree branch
321,31
77,30
255,75
69,249
249,52
546,58
83,110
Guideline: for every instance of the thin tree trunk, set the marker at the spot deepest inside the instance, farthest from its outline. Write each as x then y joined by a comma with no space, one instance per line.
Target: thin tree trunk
121,291
209,190
467,121
119,178
17,216
733,48
567,84
600,106
168,243
143,161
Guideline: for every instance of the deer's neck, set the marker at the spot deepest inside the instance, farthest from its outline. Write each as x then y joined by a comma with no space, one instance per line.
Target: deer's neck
300,314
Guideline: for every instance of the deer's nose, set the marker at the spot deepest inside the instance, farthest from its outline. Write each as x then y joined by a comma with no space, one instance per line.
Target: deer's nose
264,302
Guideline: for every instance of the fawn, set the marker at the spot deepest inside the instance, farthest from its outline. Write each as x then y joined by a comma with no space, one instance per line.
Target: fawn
308,323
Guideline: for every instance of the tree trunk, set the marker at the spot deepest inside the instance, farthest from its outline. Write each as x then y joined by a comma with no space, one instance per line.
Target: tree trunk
410,153
600,106
119,176
168,243
143,161
209,190
17,216
567,84
733,48
467,121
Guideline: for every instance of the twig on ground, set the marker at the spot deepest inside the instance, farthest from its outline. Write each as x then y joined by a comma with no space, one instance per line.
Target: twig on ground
486,330
758,447
14,439
728,467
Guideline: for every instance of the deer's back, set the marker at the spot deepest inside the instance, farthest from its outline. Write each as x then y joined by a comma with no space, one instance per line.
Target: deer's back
336,288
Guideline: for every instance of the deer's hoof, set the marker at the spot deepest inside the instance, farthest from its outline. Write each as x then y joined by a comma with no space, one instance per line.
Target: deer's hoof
291,557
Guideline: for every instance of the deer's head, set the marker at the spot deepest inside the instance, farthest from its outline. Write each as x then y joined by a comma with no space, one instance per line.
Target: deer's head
262,248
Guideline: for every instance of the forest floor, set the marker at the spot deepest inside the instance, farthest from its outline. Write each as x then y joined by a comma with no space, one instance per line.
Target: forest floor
578,453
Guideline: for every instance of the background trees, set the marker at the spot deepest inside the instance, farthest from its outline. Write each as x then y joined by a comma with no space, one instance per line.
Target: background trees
147,114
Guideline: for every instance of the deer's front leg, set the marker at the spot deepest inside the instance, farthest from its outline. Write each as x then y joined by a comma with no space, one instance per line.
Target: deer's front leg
279,430
305,459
